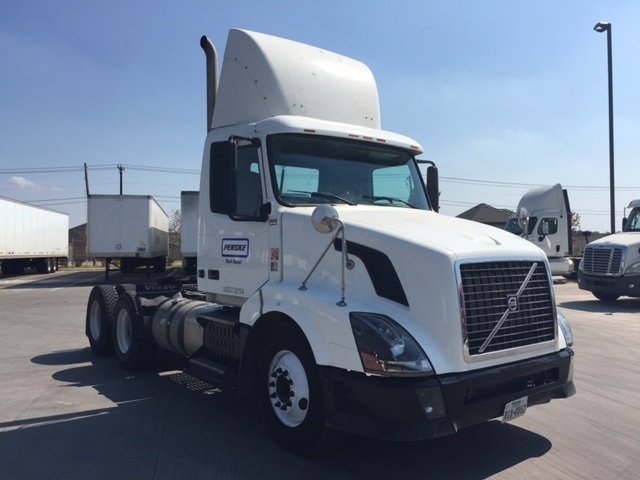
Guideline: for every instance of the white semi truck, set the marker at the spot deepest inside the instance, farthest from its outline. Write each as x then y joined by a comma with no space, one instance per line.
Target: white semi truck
31,237
610,267
132,229
328,285
543,216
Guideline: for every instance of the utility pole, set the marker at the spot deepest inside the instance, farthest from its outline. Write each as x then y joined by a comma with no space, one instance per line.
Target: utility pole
121,169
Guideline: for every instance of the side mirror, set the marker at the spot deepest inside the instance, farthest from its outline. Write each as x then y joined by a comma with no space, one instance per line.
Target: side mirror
325,218
523,221
433,189
223,161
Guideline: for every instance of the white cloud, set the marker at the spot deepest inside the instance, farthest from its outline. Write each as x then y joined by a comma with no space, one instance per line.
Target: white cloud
21,182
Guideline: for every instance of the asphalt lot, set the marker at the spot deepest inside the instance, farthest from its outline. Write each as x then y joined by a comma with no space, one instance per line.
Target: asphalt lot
66,414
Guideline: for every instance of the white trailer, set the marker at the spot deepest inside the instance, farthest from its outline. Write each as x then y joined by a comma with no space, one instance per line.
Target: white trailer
132,229
31,237
328,285
189,210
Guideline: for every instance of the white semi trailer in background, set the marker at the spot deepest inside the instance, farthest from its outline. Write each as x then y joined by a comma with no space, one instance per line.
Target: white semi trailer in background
31,237
327,283
189,210
130,229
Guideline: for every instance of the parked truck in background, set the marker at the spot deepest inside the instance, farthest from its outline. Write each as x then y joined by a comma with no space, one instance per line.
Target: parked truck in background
543,216
31,237
610,267
189,209
327,283
130,229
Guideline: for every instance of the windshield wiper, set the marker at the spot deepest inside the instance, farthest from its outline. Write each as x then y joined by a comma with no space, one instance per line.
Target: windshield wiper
388,199
327,195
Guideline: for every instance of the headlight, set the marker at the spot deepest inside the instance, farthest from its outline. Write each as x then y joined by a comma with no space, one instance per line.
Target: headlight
387,348
633,269
566,328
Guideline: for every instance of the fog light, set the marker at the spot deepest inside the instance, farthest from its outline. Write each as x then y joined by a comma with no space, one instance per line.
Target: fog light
632,285
428,410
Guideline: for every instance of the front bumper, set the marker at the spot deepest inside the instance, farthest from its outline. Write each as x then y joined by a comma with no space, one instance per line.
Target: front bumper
628,286
392,408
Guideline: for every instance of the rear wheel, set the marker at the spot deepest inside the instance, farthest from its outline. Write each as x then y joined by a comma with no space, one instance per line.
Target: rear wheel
134,352
291,390
606,297
102,302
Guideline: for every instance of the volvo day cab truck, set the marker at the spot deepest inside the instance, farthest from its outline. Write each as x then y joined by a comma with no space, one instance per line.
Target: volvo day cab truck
31,237
543,217
610,267
328,286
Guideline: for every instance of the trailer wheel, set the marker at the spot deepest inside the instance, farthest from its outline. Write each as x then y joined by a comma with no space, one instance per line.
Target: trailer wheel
292,393
133,351
102,302
606,297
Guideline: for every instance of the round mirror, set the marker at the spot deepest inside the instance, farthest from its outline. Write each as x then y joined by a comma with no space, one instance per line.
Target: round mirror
325,218
523,219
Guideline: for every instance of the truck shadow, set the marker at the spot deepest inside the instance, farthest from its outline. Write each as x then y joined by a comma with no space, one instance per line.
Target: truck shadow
170,424
622,305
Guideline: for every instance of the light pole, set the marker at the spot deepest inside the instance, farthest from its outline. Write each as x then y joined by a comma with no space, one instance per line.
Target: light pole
606,27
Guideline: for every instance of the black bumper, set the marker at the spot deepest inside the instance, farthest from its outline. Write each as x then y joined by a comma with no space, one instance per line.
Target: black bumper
392,408
628,286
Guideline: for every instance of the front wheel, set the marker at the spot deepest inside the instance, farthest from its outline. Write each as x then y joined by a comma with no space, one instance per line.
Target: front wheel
133,350
100,308
291,387
606,297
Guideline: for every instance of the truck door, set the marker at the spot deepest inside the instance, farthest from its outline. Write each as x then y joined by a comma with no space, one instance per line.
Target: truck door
550,235
233,239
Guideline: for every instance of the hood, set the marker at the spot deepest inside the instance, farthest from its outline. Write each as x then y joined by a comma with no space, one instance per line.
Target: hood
623,238
452,236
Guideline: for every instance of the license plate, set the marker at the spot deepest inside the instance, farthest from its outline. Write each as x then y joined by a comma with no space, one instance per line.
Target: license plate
514,409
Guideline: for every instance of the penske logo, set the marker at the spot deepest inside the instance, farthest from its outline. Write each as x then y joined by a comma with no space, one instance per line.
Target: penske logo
235,247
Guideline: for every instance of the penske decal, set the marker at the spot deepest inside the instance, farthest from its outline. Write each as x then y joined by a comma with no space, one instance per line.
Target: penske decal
235,247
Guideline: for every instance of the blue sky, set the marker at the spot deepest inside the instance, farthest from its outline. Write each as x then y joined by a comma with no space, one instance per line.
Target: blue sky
503,95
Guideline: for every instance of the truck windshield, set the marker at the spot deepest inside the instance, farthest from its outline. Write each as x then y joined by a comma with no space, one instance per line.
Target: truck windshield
633,222
311,169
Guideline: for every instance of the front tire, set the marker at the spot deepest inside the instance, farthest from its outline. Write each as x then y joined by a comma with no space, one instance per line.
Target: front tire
290,386
100,308
133,351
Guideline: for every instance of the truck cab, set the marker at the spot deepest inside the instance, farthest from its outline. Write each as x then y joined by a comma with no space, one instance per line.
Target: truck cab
610,267
543,217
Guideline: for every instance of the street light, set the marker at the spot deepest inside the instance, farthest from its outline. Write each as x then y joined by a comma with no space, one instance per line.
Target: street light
606,27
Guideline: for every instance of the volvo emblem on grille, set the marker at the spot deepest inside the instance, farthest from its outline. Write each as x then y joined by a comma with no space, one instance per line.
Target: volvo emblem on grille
512,303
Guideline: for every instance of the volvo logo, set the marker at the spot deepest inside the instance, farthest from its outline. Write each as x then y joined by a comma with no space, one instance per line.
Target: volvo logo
512,303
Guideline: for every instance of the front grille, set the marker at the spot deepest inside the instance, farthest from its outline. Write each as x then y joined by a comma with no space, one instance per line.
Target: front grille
489,288
605,260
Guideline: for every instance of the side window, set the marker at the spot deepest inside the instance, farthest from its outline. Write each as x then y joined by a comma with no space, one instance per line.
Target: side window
548,226
531,225
248,185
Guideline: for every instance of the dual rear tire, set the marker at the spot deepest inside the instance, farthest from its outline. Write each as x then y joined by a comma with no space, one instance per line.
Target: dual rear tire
113,325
